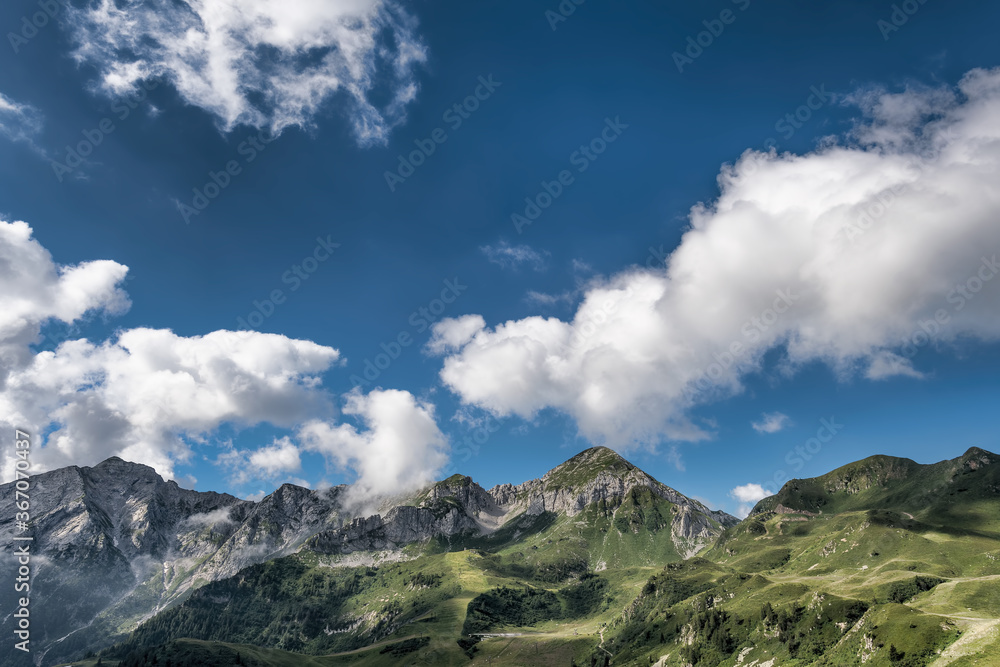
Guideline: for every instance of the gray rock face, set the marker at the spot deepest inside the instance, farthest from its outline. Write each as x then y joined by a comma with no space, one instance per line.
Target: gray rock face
115,544
452,507
98,532
276,526
460,506
601,474
401,526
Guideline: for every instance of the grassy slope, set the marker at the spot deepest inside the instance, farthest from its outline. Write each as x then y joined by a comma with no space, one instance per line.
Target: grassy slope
838,567
938,521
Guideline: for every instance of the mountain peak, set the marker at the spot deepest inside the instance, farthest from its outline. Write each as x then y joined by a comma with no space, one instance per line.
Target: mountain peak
977,452
119,471
886,482
113,462
586,466
599,452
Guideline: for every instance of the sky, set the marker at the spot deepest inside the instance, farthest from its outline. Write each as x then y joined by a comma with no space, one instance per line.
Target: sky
355,241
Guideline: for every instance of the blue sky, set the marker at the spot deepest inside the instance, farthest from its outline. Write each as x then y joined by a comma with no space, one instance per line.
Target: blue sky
307,212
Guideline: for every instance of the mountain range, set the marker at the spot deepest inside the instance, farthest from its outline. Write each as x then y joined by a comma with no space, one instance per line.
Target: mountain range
883,561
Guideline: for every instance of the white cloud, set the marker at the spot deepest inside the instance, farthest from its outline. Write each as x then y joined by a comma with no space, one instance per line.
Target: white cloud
771,422
145,394
19,122
274,462
451,333
543,299
280,457
142,395
843,255
259,62
507,256
209,519
748,495
886,364
674,456
399,450
271,463
34,290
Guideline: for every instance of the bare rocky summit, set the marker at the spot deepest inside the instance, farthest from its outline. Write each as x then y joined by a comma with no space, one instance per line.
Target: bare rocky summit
115,543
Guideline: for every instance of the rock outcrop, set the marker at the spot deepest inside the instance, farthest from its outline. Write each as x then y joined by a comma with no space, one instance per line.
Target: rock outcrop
599,474
115,543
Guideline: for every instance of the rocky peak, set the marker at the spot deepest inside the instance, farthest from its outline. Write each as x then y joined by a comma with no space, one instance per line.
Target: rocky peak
586,466
976,458
596,474
472,497
117,531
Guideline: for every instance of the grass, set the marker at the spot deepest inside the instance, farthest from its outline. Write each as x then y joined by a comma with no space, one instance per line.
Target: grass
880,571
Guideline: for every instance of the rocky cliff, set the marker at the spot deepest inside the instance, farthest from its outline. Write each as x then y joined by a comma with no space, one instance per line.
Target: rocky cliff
115,543
600,474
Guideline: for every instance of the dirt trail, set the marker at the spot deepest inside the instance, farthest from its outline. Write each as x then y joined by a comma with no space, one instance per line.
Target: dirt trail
601,645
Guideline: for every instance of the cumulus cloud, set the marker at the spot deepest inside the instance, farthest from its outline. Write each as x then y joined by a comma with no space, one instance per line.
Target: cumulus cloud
146,395
280,457
856,254
274,462
399,449
451,333
507,256
257,62
34,290
771,422
747,495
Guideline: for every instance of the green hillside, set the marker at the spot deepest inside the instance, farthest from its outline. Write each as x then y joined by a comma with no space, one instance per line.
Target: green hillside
881,562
